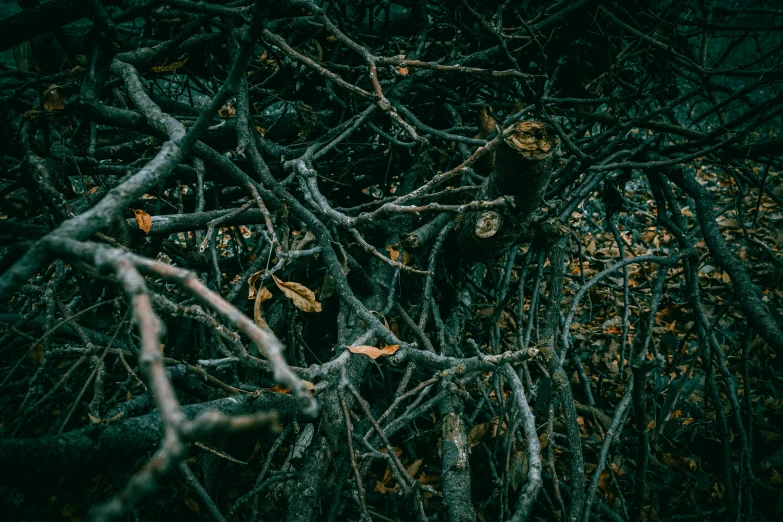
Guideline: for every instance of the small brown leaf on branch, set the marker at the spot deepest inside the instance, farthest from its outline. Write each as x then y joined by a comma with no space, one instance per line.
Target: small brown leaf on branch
303,297
144,220
373,352
173,66
266,295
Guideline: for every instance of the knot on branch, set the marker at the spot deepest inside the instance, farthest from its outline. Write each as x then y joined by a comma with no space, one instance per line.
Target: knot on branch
488,224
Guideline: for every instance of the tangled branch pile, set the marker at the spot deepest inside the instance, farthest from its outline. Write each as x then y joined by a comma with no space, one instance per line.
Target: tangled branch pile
391,260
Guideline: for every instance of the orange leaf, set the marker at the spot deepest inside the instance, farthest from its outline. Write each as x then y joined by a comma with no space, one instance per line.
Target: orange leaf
394,252
403,71
373,352
144,220
277,389
603,481
303,297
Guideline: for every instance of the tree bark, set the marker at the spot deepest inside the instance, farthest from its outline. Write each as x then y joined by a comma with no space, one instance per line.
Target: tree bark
522,169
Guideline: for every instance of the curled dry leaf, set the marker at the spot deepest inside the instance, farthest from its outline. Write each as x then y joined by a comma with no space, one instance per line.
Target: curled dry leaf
394,252
373,352
144,220
266,295
53,99
303,297
262,296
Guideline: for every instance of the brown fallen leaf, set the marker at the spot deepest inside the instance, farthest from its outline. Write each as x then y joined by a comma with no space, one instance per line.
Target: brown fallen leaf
680,463
266,295
414,467
303,297
431,478
173,66
486,123
54,99
380,488
373,352
482,432
257,317
394,252
37,353
144,220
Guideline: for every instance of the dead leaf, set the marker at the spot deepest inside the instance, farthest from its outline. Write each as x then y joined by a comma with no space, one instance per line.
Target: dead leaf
251,283
257,317
603,481
54,99
482,432
266,295
277,389
403,71
144,220
373,352
394,252
380,488
414,467
37,353
303,297
397,451
679,463
429,478
518,469
192,505
486,123
173,66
